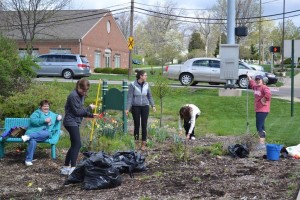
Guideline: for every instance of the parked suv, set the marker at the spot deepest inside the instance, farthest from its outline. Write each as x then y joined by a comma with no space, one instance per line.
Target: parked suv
65,65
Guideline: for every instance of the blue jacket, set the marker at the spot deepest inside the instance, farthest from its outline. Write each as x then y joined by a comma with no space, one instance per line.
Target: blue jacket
37,121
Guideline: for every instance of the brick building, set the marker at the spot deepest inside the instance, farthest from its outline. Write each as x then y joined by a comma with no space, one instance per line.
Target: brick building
93,33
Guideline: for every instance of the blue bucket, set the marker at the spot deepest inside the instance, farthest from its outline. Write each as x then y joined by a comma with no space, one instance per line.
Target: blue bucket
273,151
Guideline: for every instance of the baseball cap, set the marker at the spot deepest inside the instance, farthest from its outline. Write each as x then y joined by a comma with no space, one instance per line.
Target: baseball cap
259,77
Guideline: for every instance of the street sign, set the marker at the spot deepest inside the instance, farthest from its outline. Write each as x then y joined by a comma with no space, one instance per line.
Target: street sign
288,49
130,43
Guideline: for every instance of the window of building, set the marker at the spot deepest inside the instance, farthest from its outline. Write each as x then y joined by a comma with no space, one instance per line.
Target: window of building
117,61
23,52
97,59
107,57
60,50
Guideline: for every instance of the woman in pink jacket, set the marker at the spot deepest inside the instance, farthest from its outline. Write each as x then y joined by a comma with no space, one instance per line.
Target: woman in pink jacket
262,104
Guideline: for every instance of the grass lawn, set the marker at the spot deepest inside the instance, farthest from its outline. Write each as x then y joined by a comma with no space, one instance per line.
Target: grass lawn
223,115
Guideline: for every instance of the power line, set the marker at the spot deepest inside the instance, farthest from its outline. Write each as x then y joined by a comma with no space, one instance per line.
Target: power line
157,6
81,18
212,19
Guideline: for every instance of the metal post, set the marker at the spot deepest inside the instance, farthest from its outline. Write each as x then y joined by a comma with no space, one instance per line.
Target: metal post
259,33
272,62
282,42
230,32
104,91
125,92
292,81
131,35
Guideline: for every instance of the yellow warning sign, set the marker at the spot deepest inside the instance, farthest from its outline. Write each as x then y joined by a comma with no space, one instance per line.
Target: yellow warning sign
130,43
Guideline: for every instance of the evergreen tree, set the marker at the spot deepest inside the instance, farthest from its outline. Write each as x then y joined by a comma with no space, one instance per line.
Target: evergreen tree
196,42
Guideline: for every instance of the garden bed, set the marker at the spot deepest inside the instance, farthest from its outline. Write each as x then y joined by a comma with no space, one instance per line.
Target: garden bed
201,176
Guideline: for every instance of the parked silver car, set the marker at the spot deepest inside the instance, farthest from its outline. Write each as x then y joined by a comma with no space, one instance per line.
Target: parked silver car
65,65
208,70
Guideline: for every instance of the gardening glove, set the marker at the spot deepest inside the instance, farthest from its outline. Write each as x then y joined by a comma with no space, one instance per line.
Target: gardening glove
154,109
93,106
59,117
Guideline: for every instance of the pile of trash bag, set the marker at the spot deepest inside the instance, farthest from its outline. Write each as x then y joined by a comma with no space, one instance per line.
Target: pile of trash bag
100,171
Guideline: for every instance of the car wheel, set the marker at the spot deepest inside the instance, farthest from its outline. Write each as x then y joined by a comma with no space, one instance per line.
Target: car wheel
186,79
67,74
243,82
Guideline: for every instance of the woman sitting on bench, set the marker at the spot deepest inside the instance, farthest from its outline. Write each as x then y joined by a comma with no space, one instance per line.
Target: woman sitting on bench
41,124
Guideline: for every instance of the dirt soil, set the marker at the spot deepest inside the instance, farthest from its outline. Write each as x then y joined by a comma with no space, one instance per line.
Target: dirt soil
203,176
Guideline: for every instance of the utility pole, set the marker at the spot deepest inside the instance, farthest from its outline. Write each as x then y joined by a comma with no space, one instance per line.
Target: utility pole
282,42
131,36
259,34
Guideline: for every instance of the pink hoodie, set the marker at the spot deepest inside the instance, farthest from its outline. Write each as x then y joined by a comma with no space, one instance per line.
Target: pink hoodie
261,91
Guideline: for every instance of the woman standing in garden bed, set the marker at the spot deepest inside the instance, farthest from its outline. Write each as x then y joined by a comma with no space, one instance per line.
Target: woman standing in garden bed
138,100
74,112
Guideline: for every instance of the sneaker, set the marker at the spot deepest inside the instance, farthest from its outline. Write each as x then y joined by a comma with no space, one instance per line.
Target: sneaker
28,163
261,147
65,170
25,138
193,138
71,170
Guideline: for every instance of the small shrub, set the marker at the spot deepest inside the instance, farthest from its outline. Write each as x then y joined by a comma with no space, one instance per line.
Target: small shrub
181,152
22,104
119,71
214,149
103,70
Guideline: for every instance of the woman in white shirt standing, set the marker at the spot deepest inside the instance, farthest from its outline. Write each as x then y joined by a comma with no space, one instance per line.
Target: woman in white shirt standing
188,113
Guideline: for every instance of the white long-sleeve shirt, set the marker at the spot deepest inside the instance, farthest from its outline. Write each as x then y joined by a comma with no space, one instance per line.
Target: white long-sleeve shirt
194,112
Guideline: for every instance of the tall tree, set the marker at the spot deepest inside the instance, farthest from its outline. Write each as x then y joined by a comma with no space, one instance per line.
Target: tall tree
204,27
31,16
196,42
223,41
158,35
245,11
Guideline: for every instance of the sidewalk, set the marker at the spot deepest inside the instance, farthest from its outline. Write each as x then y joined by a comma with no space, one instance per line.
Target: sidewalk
287,87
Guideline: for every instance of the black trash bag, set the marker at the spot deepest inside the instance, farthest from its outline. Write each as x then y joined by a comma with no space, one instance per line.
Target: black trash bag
140,159
96,172
128,162
77,175
101,178
100,173
238,150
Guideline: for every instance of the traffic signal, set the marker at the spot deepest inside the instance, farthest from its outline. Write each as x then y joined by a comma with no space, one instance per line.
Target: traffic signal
274,49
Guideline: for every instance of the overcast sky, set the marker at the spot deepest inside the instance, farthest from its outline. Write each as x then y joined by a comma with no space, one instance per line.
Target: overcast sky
269,6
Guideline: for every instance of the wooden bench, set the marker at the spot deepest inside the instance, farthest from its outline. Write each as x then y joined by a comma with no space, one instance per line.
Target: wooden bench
24,122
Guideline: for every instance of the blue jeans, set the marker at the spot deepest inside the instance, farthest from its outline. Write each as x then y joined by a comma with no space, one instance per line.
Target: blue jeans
34,138
260,121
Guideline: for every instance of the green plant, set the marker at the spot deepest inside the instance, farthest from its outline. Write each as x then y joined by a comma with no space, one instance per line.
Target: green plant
119,71
181,151
103,70
106,125
215,149
22,104
15,73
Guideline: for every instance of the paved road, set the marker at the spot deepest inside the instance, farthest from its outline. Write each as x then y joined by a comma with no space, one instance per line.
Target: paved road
283,92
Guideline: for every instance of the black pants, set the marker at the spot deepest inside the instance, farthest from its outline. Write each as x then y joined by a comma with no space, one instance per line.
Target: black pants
140,116
73,151
187,126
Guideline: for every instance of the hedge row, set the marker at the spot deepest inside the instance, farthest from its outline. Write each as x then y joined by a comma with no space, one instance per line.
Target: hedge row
111,70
